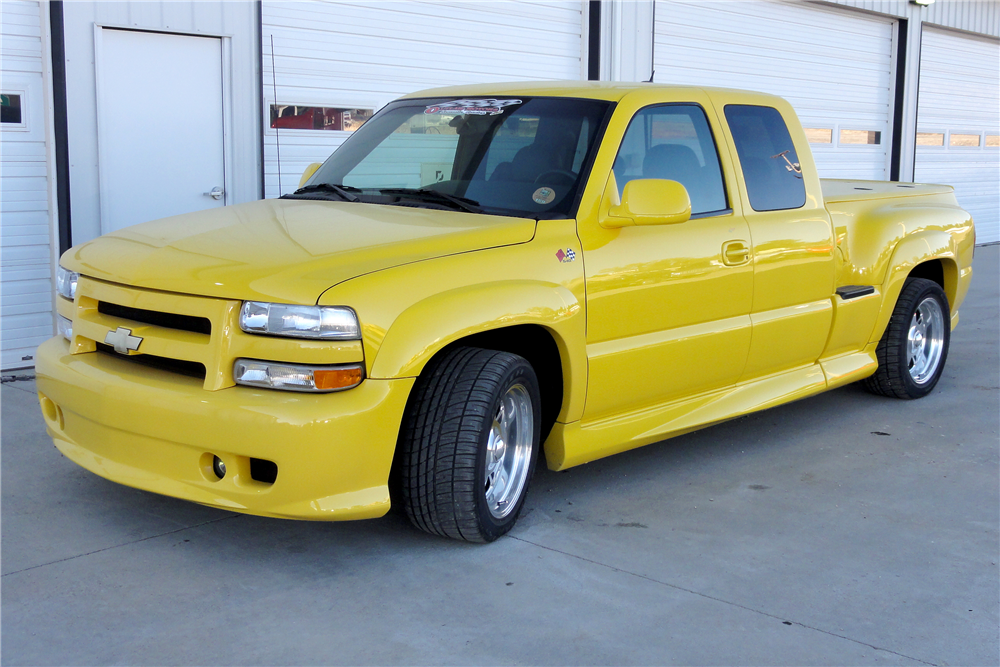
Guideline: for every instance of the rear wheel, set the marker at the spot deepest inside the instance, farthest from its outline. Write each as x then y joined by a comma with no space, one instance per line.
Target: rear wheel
469,443
914,347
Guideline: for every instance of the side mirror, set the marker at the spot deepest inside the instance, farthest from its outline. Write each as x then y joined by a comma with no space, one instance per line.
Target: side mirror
651,201
310,170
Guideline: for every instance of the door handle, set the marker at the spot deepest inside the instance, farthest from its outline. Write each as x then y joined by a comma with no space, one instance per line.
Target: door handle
215,193
735,253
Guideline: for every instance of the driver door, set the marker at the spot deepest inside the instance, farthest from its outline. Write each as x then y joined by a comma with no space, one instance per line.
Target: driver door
668,306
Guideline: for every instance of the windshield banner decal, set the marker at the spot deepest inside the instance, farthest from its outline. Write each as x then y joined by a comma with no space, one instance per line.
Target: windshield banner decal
487,107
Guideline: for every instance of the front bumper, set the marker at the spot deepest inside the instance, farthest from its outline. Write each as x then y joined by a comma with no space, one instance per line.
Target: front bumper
158,431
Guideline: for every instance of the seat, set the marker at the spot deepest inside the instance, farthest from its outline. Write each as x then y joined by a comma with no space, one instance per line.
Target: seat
552,151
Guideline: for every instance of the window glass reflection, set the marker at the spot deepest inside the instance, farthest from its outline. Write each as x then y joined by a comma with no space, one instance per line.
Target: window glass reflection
294,117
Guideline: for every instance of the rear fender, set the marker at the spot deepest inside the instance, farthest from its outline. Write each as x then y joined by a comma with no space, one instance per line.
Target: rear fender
910,252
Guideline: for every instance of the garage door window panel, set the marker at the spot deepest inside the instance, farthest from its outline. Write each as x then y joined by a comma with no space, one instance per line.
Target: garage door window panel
930,138
674,142
964,140
860,137
299,117
770,164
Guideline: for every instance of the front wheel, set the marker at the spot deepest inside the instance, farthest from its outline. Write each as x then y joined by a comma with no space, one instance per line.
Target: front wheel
469,443
914,347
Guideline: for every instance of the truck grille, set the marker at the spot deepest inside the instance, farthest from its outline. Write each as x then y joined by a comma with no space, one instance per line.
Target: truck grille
189,368
180,334
201,325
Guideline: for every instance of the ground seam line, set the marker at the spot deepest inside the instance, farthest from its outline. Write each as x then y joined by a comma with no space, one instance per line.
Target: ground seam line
14,386
727,602
124,544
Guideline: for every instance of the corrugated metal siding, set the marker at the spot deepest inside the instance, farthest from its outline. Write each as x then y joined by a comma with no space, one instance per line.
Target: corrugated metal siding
26,274
363,55
960,94
834,66
981,16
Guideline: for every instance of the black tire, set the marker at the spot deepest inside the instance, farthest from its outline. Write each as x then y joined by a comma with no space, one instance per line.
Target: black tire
449,425
923,308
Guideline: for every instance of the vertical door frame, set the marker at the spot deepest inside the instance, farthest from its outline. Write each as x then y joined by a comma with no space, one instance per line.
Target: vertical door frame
227,109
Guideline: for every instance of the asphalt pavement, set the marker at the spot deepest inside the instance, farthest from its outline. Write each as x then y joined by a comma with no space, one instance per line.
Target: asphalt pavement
845,529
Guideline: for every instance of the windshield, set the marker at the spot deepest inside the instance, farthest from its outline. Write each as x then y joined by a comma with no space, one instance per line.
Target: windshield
508,156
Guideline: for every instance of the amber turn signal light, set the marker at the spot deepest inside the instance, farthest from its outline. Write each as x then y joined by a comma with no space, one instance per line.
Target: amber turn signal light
337,378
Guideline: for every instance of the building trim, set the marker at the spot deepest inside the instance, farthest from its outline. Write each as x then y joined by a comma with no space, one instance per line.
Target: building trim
899,103
594,41
259,5
60,126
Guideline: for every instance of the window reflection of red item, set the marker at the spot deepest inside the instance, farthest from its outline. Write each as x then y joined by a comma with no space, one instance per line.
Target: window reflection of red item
303,121
318,118
333,120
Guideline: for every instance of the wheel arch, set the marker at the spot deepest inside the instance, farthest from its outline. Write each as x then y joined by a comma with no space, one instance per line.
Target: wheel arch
538,346
542,347
543,323
929,254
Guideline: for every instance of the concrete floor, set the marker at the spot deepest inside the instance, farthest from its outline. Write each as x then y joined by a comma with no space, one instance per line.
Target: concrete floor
841,530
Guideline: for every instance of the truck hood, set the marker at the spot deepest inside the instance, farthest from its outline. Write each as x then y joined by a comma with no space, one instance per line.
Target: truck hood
285,250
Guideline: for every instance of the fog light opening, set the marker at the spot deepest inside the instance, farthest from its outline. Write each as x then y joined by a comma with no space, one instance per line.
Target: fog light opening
262,470
218,467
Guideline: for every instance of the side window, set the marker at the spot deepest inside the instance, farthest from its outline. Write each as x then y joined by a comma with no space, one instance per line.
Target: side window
770,165
673,142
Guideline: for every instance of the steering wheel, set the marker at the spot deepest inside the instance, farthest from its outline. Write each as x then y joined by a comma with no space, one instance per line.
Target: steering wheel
561,177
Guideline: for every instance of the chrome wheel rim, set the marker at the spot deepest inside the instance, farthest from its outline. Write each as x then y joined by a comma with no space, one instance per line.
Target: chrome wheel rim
925,342
508,451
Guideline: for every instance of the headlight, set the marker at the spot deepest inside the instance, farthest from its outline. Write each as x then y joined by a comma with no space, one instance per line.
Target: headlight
278,319
65,326
66,283
297,377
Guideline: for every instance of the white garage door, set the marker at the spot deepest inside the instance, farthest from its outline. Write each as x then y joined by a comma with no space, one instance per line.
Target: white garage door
26,257
958,123
337,62
834,66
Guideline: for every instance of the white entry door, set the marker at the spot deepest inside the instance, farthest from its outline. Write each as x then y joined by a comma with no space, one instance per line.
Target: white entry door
160,125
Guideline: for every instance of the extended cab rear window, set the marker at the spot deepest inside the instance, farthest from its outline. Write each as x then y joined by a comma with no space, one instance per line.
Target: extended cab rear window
770,165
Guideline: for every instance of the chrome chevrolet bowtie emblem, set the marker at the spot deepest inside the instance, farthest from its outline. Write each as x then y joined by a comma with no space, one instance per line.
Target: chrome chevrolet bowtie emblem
123,340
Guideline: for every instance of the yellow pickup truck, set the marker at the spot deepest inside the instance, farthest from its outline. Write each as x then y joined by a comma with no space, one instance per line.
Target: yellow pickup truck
481,275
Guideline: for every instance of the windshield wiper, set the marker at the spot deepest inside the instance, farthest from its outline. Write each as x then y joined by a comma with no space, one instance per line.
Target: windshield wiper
462,203
342,191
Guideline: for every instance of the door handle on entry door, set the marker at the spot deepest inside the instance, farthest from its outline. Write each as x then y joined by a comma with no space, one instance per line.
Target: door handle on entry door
215,193
735,253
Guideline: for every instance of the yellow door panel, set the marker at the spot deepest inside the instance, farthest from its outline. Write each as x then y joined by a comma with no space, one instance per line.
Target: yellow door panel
666,315
666,365
787,338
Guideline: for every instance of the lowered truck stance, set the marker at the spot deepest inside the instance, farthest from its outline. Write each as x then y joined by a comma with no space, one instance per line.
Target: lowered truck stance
485,274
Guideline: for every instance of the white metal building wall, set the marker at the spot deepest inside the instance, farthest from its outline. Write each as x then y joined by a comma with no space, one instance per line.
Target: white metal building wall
365,54
959,104
26,273
234,21
834,66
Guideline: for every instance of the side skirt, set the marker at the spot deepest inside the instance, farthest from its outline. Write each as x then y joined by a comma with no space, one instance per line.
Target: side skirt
580,442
